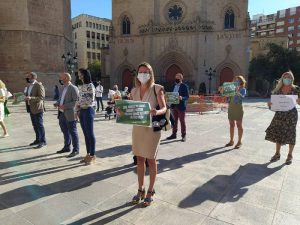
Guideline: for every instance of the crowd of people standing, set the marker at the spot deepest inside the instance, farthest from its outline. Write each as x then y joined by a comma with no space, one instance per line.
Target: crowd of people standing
75,104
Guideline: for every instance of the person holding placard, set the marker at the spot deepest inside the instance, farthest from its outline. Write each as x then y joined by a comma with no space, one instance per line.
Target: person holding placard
2,100
145,140
178,110
236,111
282,129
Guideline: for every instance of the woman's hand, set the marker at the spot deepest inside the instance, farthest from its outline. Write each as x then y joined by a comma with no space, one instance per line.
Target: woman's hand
298,101
153,112
269,104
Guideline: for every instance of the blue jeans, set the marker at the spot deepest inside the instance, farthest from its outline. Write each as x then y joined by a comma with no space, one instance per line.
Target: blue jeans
69,129
99,100
38,126
87,124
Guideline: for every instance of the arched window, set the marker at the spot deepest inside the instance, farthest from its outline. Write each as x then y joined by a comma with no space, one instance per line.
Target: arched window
126,25
229,19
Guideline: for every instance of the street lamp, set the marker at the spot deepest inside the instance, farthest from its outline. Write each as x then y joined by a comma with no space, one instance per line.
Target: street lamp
210,72
69,62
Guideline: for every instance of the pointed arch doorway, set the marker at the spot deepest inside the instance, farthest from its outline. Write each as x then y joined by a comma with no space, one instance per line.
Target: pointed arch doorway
170,75
127,79
226,75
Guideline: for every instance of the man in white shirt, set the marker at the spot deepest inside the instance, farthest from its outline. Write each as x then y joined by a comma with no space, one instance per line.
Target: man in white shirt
99,93
66,115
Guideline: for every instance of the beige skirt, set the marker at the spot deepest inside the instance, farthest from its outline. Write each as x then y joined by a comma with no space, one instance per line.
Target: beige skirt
145,142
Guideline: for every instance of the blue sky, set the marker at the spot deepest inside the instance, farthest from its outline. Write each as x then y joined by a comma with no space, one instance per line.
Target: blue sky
102,8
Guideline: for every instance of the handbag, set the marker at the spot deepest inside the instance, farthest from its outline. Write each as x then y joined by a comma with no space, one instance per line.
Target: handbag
161,122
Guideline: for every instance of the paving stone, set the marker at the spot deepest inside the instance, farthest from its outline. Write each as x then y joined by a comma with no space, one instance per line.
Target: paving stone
243,213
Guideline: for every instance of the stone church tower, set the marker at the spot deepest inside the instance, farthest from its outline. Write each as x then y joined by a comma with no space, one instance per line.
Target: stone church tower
34,34
188,36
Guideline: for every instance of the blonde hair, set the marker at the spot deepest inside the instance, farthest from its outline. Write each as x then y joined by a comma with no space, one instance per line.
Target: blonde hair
2,85
151,80
242,79
280,82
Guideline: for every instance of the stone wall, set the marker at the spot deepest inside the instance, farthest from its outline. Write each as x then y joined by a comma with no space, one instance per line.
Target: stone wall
34,35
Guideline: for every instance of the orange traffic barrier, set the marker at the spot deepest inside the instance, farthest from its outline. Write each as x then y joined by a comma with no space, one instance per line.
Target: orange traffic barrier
202,103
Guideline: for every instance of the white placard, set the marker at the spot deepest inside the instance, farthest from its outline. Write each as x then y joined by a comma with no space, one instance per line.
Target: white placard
283,103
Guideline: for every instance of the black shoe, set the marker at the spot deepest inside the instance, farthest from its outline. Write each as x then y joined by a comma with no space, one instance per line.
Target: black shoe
41,145
173,136
34,143
183,139
64,150
72,154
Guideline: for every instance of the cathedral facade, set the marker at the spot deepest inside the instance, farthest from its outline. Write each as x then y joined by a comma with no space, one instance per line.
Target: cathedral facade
187,36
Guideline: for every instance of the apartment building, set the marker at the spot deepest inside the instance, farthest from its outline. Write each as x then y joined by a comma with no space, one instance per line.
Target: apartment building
90,36
282,28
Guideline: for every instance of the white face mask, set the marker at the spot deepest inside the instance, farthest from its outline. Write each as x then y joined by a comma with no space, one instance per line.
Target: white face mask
143,77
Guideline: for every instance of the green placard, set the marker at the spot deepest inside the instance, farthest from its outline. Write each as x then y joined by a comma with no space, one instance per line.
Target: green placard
18,98
133,112
172,98
229,89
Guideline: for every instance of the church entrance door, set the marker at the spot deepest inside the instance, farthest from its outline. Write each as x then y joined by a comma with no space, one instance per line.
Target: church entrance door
127,79
170,76
226,75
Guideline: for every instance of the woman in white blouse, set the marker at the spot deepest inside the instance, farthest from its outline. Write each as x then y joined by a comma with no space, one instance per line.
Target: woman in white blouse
2,100
86,114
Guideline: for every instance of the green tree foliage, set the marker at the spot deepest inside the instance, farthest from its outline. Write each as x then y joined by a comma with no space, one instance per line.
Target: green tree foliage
95,70
272,65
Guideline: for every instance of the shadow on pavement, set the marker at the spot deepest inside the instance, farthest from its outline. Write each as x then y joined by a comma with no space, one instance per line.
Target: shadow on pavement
215,189
14,149
19,162
109,218
114,151
34,192
176,163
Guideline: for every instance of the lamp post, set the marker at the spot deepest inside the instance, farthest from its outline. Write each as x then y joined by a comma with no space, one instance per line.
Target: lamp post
210,72
70,62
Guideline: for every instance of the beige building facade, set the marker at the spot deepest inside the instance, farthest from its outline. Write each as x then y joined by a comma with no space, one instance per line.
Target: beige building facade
90,36
188,36
34,35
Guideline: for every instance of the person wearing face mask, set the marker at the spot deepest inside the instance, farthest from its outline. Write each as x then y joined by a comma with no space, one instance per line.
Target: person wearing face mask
282,129
145,140
35,95
86,114
236,111
178,111
66,115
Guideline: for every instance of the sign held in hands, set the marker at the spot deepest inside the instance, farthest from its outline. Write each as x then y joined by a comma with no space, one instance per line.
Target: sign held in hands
172,98
283,103
133,112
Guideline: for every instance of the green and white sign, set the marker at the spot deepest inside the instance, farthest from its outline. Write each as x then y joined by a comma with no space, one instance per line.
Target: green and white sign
229,89
133,112
172,98
18,98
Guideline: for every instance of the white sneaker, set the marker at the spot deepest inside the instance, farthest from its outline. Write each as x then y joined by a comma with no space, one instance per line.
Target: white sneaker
6,135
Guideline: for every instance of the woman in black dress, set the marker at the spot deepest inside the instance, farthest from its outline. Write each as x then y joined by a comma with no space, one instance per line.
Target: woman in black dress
282,129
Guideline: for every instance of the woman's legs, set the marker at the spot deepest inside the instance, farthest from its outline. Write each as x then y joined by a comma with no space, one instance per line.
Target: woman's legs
232,125
153,172
291,148
278,147
239,125
141,171
2,124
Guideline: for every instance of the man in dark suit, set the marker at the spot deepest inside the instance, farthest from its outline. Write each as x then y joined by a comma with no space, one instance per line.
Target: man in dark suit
178,111
66,115
35,95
